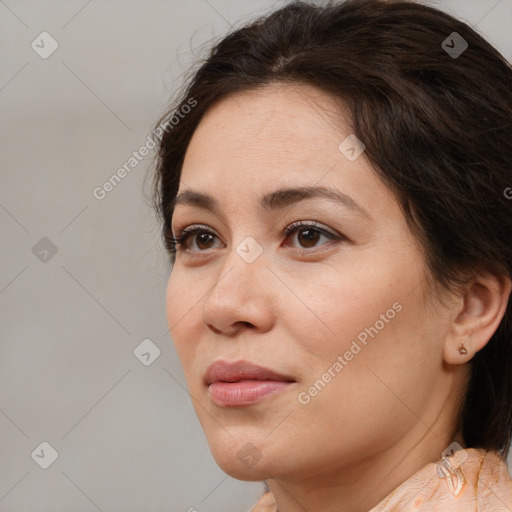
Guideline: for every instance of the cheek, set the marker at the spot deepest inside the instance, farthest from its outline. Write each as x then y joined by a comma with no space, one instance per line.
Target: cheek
371,320
333,308
183,301
174,307
380,339
363,388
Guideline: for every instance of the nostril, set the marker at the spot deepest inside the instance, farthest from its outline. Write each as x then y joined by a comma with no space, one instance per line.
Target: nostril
244,323
232,329
214,329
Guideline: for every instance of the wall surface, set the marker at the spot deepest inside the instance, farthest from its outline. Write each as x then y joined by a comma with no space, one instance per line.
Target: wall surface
82,273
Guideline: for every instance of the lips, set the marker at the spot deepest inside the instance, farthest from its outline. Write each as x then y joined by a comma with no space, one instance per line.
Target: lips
241,370
243,383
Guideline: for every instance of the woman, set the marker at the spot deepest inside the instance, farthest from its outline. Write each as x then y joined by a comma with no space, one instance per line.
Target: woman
333,190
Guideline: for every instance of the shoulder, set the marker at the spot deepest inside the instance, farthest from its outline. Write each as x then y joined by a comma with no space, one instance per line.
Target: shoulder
472,480
493,484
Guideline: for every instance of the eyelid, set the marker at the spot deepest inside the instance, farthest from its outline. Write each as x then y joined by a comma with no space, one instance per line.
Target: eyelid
311,224
192,227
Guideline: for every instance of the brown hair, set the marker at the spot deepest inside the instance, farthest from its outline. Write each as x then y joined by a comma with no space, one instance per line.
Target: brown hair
437,128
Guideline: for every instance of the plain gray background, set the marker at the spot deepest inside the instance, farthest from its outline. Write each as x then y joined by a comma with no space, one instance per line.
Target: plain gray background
126,434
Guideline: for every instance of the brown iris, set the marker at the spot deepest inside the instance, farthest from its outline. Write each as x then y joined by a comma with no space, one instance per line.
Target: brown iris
308,237
204,240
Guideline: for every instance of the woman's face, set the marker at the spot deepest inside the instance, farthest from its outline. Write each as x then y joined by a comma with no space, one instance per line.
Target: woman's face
303,264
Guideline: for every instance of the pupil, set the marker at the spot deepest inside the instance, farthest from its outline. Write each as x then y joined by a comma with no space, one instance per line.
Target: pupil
308,237
205,240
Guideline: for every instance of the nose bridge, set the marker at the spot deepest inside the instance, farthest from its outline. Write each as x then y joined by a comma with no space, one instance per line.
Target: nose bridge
244,266
239,294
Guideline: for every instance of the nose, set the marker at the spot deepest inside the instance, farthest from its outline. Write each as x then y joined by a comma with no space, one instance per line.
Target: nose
242,298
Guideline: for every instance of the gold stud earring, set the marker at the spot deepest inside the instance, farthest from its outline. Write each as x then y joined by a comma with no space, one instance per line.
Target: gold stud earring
462,349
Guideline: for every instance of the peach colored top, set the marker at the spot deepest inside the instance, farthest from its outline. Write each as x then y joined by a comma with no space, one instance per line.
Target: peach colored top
471,480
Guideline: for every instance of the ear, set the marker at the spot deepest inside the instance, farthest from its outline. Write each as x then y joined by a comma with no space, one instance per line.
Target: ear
477,317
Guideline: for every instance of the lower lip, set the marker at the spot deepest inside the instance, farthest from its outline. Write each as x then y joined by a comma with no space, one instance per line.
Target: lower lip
244,392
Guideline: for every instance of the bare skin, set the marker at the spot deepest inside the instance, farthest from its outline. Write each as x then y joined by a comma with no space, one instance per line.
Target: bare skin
302,302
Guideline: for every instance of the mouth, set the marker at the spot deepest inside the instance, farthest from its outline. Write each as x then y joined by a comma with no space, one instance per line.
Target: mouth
242,383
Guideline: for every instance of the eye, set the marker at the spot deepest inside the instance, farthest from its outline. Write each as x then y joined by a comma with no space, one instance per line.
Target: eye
195,239
309,235
200,239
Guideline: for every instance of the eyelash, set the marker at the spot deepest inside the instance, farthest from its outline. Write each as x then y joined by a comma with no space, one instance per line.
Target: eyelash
177,242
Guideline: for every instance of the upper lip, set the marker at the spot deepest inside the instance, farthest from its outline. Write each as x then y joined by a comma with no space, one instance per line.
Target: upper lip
241,370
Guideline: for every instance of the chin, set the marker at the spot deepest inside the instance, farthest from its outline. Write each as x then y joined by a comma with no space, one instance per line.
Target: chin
239,457
243,464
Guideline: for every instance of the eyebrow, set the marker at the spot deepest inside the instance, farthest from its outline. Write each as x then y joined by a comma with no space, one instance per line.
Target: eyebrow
276,200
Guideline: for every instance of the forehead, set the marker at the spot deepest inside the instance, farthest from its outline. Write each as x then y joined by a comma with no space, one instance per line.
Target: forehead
256,141
277,122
